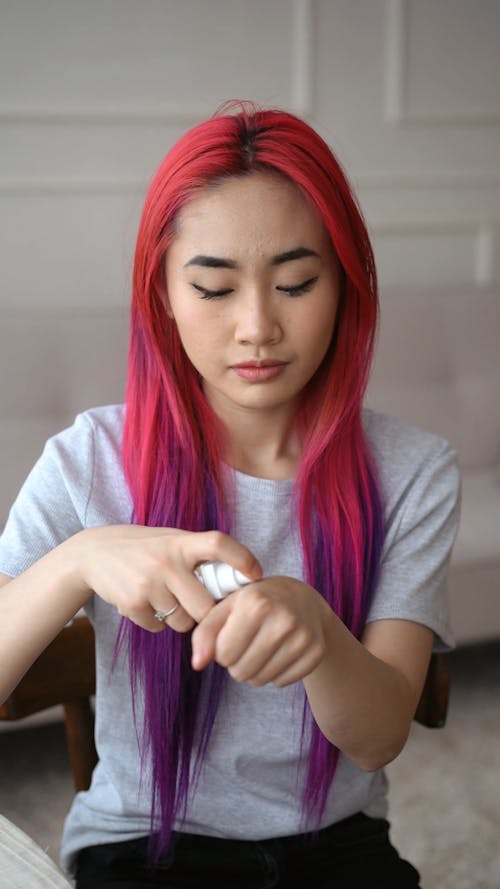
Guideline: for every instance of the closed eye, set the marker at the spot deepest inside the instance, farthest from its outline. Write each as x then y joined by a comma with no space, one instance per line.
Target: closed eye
298,289
211,294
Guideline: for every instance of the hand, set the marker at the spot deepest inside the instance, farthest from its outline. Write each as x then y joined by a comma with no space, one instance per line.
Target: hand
269,631
141,570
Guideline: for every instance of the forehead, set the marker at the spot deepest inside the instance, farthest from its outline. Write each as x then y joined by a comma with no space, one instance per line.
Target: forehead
257,214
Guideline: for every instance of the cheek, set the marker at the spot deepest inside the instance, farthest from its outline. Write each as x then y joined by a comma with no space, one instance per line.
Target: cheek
319,329
198,341
193,341
202,325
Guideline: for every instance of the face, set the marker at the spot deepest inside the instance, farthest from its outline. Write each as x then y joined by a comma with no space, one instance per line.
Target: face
252,284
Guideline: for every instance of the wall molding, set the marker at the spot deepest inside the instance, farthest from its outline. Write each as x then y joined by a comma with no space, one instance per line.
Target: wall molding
302,87
301,68
396,107
302,73
482,233
396,60
49,185
437,181
485,255
104,114
407,226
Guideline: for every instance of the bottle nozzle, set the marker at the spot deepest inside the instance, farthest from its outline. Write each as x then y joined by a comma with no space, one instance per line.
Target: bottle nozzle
220,579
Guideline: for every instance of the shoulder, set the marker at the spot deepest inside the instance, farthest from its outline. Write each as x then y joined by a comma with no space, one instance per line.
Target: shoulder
391,439
102,425
403,451
85,462
106,420
420,486
93,442
106,423
414,466
77,482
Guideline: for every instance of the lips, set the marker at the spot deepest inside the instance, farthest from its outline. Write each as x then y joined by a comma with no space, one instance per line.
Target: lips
259,371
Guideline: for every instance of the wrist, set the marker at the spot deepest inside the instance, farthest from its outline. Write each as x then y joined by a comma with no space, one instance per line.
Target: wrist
70,561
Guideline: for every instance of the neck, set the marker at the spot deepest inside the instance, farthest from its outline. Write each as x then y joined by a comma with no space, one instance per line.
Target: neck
261,443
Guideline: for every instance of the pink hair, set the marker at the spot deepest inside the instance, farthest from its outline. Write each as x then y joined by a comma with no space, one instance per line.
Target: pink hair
173,446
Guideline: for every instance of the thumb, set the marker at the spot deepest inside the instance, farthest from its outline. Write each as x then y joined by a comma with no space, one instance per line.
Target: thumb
204,636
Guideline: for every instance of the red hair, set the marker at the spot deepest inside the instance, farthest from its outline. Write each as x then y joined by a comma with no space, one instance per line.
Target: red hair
173,447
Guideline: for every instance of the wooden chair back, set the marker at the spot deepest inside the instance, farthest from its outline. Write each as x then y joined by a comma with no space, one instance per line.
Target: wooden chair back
63,674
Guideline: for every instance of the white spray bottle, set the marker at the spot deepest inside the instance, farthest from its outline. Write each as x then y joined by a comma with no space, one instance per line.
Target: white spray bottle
220,579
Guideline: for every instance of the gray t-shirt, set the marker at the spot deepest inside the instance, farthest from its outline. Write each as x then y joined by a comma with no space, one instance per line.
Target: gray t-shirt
250,785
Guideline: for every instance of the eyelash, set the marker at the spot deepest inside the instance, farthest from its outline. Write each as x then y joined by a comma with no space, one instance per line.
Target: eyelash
211,294
298,290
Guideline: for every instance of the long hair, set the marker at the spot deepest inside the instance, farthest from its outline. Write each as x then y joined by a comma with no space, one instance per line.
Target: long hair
173,451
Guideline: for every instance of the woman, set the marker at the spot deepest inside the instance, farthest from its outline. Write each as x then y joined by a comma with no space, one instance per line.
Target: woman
241,743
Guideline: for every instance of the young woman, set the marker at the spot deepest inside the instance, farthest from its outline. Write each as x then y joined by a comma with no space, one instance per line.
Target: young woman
241,742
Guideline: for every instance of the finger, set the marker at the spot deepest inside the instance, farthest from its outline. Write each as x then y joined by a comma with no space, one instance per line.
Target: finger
170,613
181,621
202,547
143,617
265,659
196,600
265,632
147,621
291,663
175,617
297,671
218,546
204,638
163,616
255,659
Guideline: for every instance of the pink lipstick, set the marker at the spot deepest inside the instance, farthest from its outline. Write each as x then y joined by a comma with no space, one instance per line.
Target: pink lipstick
259,371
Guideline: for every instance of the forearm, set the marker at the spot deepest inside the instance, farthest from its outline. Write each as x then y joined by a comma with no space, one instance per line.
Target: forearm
136,569
34,607
362,705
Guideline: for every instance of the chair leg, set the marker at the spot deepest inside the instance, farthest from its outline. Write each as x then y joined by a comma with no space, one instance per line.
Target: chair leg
433,706
79,725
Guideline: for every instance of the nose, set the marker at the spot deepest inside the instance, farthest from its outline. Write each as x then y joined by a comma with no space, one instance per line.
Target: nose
257,321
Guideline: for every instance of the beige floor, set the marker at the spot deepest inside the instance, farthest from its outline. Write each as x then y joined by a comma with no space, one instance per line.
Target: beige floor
445,787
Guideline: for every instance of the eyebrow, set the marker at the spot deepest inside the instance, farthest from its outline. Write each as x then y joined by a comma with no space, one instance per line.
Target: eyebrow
298,253
211,262
218,262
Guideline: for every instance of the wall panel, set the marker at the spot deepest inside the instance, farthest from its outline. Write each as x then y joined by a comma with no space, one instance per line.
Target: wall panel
92,95
162,57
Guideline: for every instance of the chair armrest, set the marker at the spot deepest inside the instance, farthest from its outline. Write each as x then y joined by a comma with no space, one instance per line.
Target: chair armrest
433,705
63,672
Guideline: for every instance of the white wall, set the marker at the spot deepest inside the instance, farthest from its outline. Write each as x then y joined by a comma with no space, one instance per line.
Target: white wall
93,92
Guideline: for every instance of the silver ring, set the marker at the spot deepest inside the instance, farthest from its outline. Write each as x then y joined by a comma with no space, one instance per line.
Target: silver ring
162,616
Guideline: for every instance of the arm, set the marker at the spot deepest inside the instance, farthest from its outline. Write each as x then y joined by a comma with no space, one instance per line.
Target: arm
136,569
363,695
34,607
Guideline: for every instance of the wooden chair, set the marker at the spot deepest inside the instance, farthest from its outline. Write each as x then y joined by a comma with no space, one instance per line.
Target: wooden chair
432,709
65,674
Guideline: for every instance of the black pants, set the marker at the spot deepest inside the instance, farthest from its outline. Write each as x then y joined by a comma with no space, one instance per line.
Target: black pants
353,853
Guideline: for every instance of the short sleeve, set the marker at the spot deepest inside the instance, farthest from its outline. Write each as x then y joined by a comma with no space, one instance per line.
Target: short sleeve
421,528
51,505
